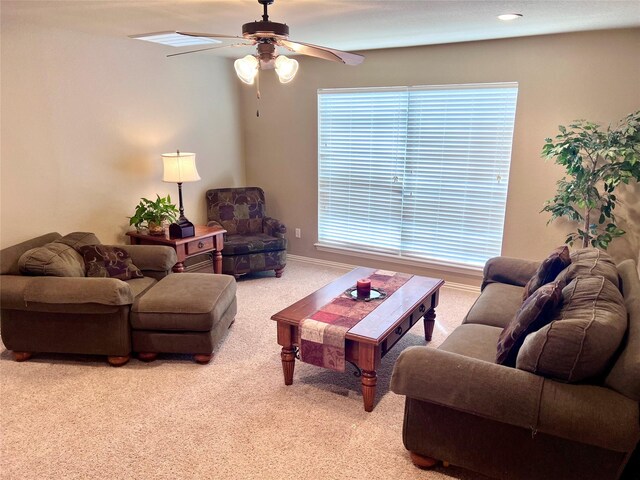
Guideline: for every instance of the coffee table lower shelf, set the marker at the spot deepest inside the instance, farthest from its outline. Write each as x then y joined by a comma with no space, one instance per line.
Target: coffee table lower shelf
371,339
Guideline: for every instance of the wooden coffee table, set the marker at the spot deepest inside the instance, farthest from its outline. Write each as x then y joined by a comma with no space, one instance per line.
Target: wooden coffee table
374,336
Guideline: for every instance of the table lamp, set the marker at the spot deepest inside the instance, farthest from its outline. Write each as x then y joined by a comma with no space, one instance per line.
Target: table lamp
178,168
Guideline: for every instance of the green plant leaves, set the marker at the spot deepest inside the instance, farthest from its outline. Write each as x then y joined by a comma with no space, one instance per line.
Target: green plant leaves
155,211
596,162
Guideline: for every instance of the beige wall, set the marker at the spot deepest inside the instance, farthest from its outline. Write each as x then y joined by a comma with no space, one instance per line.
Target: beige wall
592,75
85,119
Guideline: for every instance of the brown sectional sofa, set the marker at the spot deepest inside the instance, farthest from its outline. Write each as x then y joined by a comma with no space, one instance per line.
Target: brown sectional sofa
55,308
73,314
463,408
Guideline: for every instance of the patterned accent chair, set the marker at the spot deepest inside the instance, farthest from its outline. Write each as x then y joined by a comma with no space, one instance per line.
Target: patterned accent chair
253,242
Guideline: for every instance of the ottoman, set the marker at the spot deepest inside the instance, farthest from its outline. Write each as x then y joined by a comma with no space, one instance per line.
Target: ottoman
183,313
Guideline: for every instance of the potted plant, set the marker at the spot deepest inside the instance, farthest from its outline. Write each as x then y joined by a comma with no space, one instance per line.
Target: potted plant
154,213
596,162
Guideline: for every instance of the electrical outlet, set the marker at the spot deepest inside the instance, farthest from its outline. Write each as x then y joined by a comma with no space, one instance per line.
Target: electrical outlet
298,234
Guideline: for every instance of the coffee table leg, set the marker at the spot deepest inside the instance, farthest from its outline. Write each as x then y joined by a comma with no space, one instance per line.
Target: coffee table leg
369,381
288,356
429,322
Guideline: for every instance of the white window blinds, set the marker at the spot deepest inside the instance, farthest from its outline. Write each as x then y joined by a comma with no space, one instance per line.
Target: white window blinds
415,172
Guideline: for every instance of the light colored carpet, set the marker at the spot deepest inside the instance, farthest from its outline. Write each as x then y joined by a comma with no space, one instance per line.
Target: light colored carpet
75,417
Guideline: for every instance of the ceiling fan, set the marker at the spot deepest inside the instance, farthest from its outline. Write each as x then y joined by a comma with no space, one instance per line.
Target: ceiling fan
266,36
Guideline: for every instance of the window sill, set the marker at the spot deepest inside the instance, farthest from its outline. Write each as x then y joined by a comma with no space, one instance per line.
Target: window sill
441,265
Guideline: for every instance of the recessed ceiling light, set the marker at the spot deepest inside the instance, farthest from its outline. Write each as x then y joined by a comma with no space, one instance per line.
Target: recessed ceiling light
174,39
509,16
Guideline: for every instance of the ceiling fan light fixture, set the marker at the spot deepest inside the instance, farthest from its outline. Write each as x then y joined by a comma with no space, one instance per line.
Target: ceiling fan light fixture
507,17
246,68
286,68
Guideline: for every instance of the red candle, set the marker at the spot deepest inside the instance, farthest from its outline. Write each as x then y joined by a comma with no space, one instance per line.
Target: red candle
363,288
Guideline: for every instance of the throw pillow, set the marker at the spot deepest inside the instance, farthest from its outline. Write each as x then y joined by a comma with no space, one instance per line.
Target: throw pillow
534,314
53,259
548,270
109,261
583,336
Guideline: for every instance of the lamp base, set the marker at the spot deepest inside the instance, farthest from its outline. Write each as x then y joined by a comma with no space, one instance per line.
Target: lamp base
183,228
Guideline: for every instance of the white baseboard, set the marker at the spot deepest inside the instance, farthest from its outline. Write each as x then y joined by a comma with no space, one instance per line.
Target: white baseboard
319,262
345,266
463,287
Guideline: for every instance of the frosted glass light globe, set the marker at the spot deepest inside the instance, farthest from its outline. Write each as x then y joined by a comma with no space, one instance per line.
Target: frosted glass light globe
246,68
286,68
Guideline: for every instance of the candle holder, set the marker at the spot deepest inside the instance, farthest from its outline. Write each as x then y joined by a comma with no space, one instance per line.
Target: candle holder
374,294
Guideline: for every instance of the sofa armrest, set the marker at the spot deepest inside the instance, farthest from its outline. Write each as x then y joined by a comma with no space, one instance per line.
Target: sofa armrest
473,386
155,258
12,288
513,271
70,290
582,413
589,414
273,227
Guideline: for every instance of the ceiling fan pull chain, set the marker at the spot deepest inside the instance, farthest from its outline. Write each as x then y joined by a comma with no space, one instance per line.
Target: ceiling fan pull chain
258,94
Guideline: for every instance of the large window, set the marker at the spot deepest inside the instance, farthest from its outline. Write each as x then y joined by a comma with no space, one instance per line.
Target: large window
416,173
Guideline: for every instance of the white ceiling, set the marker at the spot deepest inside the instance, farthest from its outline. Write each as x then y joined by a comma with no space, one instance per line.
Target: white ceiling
341,24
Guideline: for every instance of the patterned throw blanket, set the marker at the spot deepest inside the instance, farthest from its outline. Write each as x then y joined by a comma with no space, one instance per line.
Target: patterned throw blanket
322,335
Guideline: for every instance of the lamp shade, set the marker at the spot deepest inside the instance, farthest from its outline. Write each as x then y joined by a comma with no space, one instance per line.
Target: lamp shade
179,167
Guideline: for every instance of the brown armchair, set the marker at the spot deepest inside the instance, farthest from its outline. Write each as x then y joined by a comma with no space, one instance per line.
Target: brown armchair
253,242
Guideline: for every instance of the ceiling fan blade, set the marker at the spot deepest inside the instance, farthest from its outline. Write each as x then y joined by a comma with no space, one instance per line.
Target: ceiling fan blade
209,35
322,52
211,48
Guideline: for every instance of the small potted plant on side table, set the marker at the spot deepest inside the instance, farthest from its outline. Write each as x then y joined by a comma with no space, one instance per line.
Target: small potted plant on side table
154,213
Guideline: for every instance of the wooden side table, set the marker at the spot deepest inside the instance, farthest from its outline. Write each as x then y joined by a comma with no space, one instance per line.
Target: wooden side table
206,240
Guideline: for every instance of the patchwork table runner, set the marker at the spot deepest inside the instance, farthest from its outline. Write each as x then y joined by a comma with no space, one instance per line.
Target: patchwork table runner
322,335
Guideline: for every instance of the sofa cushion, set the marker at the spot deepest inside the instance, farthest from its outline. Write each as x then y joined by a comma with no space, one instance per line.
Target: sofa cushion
624,377
140,286
583,335
10,256
184,302
496,305
108,261
590,261
472,340
534,314
73,291
255,243
548,270
79,239
53,259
